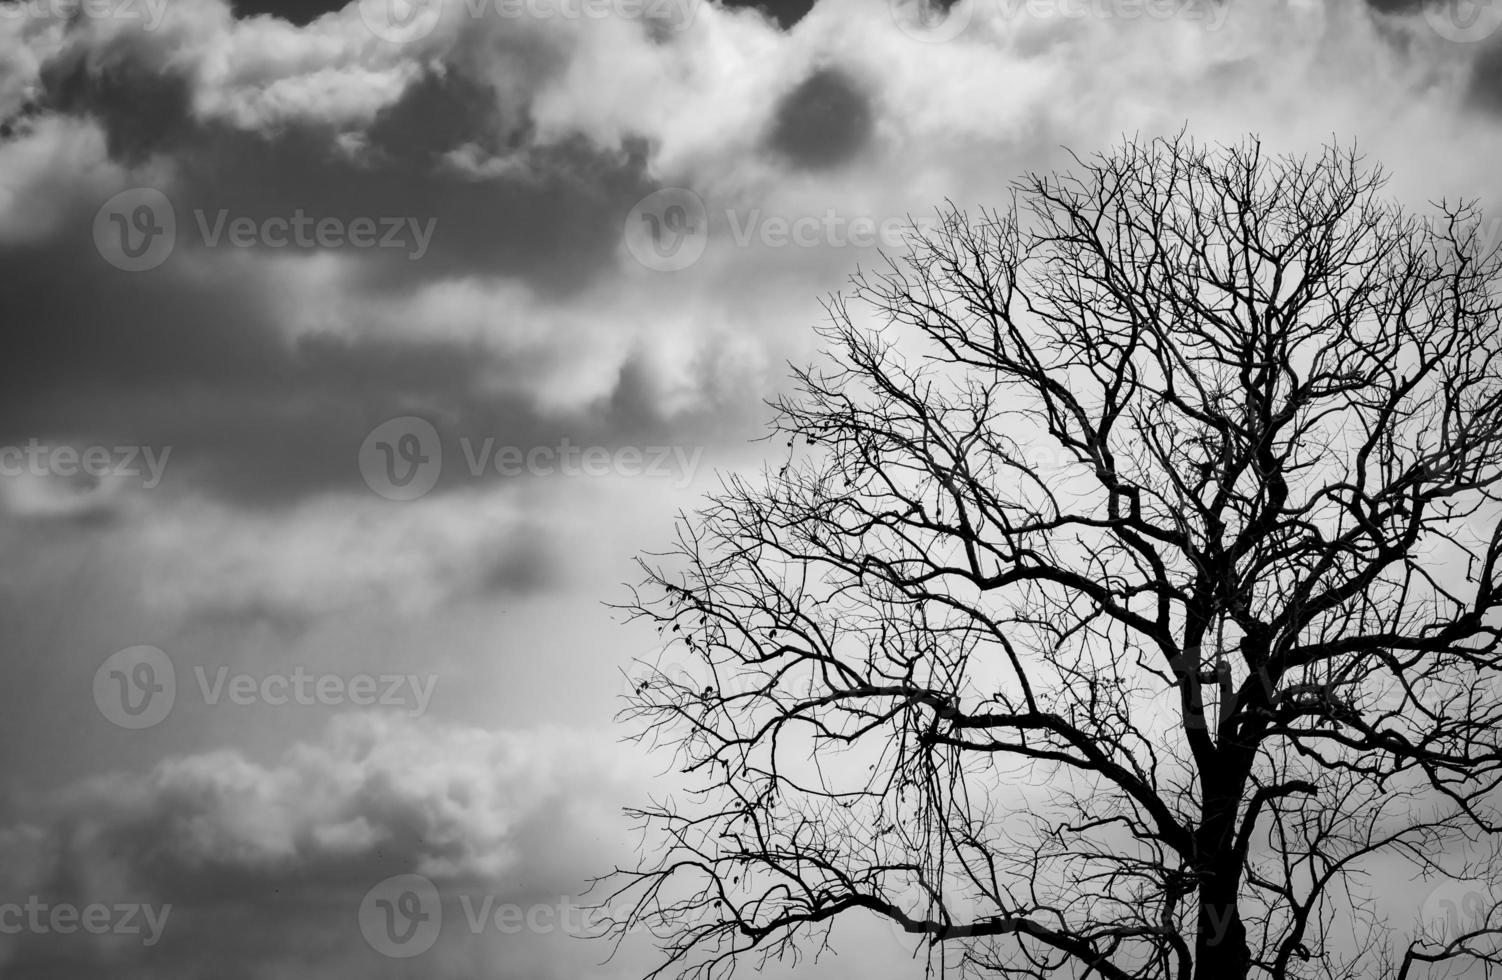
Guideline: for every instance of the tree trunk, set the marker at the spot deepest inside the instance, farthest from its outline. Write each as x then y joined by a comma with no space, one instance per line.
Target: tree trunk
1221,951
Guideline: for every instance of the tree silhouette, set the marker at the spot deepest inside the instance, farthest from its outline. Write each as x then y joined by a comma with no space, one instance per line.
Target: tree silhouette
1126,602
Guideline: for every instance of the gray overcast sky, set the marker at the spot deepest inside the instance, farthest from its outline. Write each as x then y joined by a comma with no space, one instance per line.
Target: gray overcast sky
234,249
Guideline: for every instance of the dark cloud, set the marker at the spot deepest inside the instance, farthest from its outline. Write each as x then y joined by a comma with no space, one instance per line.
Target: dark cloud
1486,78
198,362
824,122
785,12
552,226
118,359
441,112
297,11
549,220
142,108
199,365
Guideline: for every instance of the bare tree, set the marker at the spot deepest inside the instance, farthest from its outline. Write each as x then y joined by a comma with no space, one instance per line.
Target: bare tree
1126,606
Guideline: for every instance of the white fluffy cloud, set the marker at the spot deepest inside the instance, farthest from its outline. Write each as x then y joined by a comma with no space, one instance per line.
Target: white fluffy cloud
376,796
454,801
329,554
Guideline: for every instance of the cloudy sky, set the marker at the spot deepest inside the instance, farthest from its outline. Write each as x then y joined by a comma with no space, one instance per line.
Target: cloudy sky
352,351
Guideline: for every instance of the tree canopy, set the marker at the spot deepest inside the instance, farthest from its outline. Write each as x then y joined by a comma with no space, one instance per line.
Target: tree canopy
1126,604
